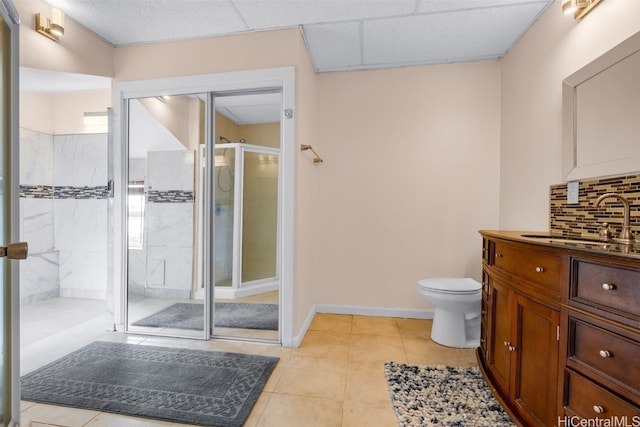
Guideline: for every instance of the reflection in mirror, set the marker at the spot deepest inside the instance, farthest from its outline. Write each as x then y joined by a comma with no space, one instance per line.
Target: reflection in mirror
165,295
601,104
246,217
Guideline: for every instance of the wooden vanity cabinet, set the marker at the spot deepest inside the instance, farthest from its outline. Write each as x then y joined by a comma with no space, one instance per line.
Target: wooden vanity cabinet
522,342
602,372
560,337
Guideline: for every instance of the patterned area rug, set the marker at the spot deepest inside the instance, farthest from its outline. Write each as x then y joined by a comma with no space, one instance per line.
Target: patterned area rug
227,315
181,385
442,396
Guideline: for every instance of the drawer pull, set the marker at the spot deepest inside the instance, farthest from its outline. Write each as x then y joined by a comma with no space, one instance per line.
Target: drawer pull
539,269
498,255
608,286
605,353
598,409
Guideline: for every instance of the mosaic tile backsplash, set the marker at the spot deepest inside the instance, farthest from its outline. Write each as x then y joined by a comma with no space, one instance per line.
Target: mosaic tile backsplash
583,218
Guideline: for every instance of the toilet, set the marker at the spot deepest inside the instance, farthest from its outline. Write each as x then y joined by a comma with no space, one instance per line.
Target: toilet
456,322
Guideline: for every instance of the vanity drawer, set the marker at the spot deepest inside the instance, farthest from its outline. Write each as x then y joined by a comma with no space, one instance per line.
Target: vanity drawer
588,400
609,354
539,267
608,287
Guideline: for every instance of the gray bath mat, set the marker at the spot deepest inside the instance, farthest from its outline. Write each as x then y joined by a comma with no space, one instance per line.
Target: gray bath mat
442,396
227,315
187,386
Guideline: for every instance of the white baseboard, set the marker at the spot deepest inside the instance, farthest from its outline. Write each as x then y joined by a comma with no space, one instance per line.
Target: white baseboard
404,313
246,290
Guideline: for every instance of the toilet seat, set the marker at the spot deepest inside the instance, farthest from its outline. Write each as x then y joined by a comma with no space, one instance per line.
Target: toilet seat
447,285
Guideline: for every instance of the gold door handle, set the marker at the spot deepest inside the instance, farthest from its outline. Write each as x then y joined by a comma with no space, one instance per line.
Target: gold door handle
18,250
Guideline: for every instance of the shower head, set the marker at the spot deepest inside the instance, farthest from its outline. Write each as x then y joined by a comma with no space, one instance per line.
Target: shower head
227,141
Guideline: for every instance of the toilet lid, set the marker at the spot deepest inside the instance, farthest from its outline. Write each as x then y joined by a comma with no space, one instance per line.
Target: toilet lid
450,284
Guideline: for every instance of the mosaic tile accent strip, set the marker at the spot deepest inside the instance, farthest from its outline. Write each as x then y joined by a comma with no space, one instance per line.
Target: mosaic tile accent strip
36,192
100,192
171,196
63,192
583,218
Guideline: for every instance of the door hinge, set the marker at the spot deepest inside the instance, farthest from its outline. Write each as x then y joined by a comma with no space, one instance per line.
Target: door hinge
558,332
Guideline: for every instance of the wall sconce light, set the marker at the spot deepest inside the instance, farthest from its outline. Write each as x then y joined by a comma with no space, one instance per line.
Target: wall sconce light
51,27
579,8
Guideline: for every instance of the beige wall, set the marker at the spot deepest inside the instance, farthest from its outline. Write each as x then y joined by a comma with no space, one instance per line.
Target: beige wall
61,113
411,173
531,113
78,51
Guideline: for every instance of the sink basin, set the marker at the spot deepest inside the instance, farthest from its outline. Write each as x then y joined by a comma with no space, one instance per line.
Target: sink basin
564,239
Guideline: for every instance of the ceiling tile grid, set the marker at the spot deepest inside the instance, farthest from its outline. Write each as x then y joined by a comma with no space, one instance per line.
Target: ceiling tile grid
339,34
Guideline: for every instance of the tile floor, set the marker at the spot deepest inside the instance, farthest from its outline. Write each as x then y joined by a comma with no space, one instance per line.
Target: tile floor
335,378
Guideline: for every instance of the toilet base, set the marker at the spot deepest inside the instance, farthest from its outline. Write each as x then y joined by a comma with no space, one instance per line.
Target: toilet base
451,329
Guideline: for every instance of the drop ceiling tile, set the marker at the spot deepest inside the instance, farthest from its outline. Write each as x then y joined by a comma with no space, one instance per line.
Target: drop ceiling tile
143,21
334,46
465,35
253,114
433,6
261,14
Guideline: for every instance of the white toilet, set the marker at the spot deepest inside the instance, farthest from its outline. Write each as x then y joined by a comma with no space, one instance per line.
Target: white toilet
456,322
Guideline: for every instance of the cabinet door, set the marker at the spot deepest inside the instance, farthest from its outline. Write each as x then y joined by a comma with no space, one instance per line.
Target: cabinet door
535,362
499,356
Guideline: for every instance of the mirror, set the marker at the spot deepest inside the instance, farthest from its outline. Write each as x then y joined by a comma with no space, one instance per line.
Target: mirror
165,295
170,213
601,106
245,215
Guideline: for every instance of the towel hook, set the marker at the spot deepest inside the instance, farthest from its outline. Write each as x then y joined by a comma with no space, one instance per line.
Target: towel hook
317,158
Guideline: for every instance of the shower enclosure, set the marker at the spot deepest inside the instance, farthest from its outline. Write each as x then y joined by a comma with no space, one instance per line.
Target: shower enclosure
245,219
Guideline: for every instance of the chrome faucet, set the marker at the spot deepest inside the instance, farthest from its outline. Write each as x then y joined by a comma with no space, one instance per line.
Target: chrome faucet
625,235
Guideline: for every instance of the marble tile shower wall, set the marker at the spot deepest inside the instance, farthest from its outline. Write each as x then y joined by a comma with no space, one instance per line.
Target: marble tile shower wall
584,218
63,215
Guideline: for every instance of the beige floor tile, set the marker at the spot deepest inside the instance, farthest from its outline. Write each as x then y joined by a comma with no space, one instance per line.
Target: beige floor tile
376,348
415,328
428,352
331,322
115,420
373,325
276,374
56,415
297,411
325,344
257,411
368,414
315,377
366,382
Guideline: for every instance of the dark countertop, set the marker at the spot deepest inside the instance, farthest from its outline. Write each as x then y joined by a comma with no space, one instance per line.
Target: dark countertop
588,245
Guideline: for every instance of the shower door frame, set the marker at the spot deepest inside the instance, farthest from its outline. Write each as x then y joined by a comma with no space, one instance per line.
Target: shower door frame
253,80
238,208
